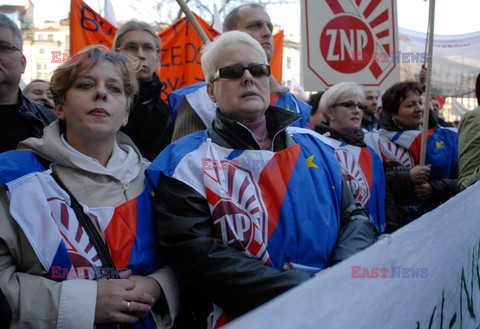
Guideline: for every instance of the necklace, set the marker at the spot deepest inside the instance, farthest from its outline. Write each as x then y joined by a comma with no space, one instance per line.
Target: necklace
263,140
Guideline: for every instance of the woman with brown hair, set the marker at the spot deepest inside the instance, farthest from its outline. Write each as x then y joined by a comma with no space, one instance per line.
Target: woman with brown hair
415,188
77,247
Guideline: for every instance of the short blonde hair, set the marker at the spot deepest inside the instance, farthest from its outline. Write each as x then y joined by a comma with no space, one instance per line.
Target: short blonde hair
212,50
335,93
65,75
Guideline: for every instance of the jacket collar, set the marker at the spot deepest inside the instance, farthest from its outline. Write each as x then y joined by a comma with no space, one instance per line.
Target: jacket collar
149,90
232,134
355,138
26,106
35,111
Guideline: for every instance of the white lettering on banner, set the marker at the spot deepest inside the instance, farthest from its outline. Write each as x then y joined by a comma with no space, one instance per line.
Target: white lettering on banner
425,275
347,44
333,35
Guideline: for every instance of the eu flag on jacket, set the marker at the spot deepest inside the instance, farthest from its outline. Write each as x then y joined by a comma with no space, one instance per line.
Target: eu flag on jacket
362,170
43,211
262,202
400,150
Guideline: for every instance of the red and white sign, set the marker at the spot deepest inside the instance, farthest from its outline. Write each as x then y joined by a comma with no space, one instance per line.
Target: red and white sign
349,40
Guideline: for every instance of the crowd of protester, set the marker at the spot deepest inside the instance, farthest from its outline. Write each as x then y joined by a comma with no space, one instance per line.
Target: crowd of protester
113,214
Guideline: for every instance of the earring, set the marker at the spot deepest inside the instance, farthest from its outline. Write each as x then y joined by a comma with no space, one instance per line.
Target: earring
396,123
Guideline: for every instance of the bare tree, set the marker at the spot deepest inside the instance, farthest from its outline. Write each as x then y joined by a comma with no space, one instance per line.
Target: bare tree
169,11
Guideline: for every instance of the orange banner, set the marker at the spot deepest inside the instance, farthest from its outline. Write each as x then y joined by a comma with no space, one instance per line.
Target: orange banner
276,63
88,28
180,55
180,49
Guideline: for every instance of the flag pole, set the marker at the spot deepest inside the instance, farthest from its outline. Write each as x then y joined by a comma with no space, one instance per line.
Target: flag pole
428,82
188,13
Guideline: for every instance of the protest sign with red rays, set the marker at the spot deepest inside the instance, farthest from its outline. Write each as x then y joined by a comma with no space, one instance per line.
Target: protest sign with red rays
349,40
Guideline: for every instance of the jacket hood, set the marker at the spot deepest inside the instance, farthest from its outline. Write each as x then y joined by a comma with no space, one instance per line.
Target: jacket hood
52,148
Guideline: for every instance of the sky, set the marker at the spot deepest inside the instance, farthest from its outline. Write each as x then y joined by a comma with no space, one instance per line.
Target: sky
451,16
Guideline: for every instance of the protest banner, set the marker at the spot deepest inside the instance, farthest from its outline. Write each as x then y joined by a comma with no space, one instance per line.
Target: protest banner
425,275
88,28
180,54
180,46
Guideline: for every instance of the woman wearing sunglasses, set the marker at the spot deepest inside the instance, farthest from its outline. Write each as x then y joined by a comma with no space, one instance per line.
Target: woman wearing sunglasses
77,246
251,207
416,189
342,106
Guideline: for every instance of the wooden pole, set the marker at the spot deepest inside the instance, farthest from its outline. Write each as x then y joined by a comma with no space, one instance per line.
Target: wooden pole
188,13
428,82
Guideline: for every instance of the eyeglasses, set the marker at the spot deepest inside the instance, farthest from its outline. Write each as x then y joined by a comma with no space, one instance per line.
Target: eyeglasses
133,48
352,105
6,48
237,71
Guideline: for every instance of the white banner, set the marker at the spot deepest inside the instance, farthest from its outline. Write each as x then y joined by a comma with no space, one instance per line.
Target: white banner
458,109
425,275
456,60
349,40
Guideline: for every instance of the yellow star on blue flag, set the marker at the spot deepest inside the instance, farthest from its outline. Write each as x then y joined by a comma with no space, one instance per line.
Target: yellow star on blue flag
310,163
439,144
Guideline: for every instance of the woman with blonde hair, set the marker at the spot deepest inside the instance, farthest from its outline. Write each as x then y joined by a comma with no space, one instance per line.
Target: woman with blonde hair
342,107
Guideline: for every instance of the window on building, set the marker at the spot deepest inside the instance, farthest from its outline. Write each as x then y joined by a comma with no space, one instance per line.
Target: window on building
40,36
50,37
41,71
41,51
289,62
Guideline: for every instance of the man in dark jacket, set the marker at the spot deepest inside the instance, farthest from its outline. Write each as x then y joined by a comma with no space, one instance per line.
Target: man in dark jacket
369,121
150,123
20,118
250,18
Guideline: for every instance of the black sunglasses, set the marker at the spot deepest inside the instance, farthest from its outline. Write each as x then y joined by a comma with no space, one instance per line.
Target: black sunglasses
236,71
352,105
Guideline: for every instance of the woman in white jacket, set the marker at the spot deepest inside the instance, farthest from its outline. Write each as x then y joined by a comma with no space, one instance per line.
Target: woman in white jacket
54,271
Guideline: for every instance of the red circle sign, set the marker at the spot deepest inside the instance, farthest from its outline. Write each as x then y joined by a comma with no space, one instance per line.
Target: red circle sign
346,44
